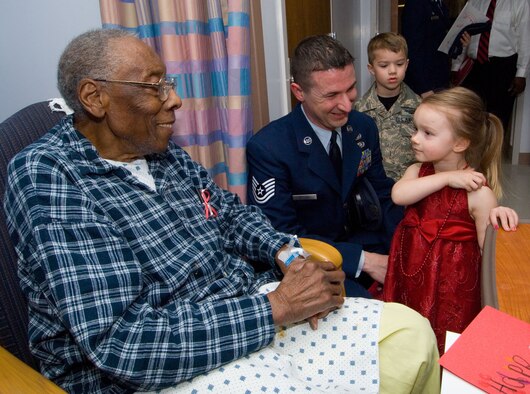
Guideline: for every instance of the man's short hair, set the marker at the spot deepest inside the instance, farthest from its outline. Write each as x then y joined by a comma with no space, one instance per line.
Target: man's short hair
391,41
88,55
317,53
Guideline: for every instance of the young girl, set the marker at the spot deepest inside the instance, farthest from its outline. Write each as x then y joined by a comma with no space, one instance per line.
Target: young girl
435,257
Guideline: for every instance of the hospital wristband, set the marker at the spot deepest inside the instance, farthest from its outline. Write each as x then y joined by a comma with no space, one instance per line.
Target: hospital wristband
287,256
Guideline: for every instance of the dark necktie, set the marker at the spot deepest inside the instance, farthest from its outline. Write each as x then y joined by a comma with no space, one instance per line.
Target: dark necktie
483,44
334,154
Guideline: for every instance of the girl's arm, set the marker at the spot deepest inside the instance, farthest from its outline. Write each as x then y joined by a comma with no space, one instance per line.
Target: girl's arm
481,202
411,189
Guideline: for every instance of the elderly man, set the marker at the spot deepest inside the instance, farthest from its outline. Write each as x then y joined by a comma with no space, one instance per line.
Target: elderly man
135,263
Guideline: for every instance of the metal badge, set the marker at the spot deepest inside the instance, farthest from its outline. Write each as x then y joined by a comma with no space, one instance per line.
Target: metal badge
308,141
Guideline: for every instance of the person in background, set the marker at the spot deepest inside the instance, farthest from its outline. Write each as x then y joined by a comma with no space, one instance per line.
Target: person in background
390,102
424,24
292,175
502,56
435,257
134,262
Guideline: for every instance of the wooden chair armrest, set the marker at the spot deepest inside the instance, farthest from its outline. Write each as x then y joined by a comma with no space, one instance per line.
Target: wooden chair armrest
17,377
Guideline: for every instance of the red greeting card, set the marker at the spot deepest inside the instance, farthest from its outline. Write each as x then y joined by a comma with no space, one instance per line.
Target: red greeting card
493,353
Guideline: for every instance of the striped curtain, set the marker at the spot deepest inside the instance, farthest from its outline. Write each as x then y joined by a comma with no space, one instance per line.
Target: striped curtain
205,45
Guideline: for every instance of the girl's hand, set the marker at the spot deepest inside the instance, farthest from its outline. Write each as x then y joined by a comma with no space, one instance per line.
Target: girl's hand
507,217
468,179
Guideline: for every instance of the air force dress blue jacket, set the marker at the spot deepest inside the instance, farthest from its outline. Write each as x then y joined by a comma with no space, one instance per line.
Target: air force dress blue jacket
292,180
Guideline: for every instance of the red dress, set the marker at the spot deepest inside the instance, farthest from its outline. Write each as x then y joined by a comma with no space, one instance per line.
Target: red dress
434,262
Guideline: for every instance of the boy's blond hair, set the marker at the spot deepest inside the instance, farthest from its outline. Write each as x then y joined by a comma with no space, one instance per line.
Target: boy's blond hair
391,41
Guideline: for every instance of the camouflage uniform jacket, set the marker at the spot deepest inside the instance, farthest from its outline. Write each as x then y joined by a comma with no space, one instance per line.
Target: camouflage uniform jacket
395,127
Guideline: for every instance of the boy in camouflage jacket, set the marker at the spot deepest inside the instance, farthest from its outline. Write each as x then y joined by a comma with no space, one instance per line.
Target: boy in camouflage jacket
390,102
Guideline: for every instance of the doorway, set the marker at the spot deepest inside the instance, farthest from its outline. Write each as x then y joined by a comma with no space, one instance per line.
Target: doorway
305,18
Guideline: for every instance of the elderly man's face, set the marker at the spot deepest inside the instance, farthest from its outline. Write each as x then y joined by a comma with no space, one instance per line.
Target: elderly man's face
139,122
330,99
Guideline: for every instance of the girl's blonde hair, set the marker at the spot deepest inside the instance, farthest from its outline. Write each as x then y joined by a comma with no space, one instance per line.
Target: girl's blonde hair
483,130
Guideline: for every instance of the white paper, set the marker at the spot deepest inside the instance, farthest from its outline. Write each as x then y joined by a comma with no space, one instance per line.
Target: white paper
467,16
451,383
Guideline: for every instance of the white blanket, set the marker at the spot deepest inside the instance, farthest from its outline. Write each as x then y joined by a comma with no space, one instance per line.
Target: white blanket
340,357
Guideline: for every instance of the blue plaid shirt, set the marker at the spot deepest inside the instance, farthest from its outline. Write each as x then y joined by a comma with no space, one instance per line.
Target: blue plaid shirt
131,289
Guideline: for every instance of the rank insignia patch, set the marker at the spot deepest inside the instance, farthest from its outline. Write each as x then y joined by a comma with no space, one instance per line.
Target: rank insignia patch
264,191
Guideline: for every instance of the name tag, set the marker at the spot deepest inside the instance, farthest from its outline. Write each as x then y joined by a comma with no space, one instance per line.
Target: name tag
302,197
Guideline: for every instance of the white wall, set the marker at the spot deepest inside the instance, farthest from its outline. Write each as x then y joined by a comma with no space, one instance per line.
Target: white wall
276,57
354,23
33,34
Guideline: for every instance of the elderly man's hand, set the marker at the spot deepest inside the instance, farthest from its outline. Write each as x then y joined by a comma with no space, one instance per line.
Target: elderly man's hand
308,291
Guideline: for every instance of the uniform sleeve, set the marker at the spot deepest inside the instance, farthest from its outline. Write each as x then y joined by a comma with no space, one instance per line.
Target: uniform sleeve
263,164
414,25
424,25
273,193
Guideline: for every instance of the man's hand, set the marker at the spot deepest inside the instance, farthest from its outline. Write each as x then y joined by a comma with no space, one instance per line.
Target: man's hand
465,39
376,265
308,291
518,86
